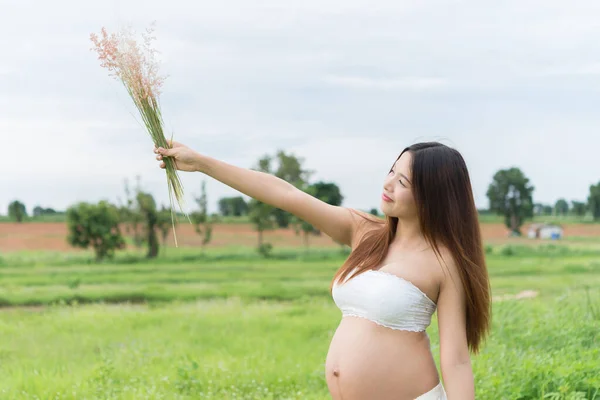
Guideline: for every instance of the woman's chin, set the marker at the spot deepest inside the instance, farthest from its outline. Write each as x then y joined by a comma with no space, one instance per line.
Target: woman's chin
385,206
387,209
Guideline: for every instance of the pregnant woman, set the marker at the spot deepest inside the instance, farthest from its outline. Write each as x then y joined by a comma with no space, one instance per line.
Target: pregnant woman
426,256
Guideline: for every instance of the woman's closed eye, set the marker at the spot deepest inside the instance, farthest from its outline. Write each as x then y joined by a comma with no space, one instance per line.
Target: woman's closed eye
399,180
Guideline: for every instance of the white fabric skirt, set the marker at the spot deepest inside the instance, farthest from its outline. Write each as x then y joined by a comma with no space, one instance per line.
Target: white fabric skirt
437,393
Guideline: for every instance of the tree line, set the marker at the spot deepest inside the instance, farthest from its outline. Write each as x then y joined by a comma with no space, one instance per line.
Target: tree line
105,227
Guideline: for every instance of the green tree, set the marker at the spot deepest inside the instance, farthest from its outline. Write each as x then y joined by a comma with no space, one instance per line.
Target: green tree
289,168
201,219
130,216
578,208
594,201
261,214
302,227
17,211
95,225
329,192
233,206
39,211
510,195
325,191
147,209
164,223
561,207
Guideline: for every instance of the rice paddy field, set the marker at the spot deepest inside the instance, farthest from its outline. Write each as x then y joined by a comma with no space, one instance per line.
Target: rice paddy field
228,324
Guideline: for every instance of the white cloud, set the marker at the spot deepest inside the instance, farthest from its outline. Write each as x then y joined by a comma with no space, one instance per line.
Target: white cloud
345,84
410,83
581,69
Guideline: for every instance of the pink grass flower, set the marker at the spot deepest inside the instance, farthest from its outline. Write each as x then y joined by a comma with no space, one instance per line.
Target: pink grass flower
137,69
134,65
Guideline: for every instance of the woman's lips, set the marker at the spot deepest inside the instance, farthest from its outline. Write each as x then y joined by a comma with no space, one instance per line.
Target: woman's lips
386,198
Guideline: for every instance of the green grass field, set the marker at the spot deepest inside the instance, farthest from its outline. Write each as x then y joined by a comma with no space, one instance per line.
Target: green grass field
231,325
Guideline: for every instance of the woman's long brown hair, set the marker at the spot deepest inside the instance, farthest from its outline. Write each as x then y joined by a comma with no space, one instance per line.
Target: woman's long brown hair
448,217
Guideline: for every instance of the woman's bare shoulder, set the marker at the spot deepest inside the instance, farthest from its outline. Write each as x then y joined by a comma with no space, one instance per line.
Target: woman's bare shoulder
443,263
363,224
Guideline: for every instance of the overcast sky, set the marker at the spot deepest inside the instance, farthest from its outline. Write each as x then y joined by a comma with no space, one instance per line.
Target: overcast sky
346,85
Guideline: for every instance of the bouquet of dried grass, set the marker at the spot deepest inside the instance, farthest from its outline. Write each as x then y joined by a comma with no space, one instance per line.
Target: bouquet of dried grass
135,66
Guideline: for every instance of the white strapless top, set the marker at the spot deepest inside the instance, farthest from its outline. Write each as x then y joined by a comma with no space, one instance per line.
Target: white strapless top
385,299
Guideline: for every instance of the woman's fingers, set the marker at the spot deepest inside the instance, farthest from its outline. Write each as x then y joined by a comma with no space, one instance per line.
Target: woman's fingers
162,165
159,157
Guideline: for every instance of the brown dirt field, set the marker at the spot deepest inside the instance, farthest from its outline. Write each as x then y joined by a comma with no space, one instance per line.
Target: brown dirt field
52,236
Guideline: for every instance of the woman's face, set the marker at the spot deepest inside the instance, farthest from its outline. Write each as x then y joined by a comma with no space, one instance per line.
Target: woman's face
397,187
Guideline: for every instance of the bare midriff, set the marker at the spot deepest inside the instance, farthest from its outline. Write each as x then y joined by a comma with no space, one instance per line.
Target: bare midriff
370,361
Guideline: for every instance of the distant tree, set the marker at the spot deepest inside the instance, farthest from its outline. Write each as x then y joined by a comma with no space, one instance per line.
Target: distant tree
200,219
302,227
541,209
147,209
561,207
324,191
165,223
510,195
261,214
39,211
17,211
289,168
578,208
95,225
329,192
547,210
374,211
233,206
594,201
130,216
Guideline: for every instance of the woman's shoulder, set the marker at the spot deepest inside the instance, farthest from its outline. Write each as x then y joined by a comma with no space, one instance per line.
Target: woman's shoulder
364,216
443,263
364,224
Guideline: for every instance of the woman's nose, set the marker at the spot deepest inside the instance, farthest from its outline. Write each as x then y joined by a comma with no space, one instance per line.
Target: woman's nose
387,185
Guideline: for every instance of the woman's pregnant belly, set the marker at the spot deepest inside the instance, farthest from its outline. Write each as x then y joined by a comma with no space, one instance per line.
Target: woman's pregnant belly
369,361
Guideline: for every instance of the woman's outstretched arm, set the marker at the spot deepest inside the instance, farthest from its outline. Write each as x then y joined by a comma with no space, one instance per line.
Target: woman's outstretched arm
337,222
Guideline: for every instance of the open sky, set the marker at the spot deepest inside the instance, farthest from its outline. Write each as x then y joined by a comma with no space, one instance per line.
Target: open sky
346,85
